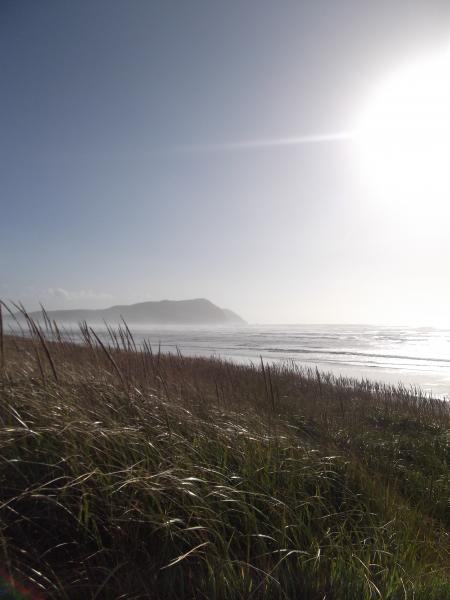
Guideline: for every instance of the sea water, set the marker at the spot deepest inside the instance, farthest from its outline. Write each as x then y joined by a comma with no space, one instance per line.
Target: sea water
417,357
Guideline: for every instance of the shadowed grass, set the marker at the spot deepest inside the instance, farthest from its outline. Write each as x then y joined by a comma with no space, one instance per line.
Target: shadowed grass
127,473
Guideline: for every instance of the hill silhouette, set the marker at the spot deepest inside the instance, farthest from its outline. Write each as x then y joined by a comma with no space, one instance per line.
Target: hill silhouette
199,311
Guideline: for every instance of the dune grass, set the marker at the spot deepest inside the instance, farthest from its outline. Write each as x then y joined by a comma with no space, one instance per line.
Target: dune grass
130,474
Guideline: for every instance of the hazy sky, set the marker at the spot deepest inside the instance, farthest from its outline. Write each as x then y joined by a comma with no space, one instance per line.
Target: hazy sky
131,169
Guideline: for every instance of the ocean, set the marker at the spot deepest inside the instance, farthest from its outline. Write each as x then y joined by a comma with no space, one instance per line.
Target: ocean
414,357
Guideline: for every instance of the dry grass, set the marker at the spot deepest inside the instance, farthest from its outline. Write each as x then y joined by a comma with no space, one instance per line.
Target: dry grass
127,473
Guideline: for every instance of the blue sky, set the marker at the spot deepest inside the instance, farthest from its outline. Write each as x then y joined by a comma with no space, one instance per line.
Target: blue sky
118,184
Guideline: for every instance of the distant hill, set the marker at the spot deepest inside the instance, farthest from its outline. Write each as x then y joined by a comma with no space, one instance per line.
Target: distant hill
165,312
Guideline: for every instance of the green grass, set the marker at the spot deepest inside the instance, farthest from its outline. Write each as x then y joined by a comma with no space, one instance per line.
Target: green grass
132,474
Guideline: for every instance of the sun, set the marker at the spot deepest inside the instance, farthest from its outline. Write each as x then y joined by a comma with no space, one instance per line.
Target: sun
403,134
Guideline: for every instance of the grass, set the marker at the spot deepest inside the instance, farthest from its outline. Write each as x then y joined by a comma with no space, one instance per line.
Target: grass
126,473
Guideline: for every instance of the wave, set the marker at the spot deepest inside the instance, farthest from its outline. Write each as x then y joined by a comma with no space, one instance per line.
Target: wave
367,355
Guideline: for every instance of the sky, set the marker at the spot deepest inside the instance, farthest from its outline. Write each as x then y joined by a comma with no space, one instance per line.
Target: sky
172,149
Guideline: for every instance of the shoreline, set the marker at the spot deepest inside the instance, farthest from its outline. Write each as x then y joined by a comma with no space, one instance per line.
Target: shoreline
311,347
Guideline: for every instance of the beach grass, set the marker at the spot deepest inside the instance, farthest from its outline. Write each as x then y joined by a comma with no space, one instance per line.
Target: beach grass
127,473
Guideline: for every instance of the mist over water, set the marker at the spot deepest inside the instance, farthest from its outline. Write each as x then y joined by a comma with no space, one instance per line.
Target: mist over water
412,356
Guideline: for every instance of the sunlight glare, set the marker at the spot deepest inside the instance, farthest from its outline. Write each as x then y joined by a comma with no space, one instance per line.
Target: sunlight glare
403,136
